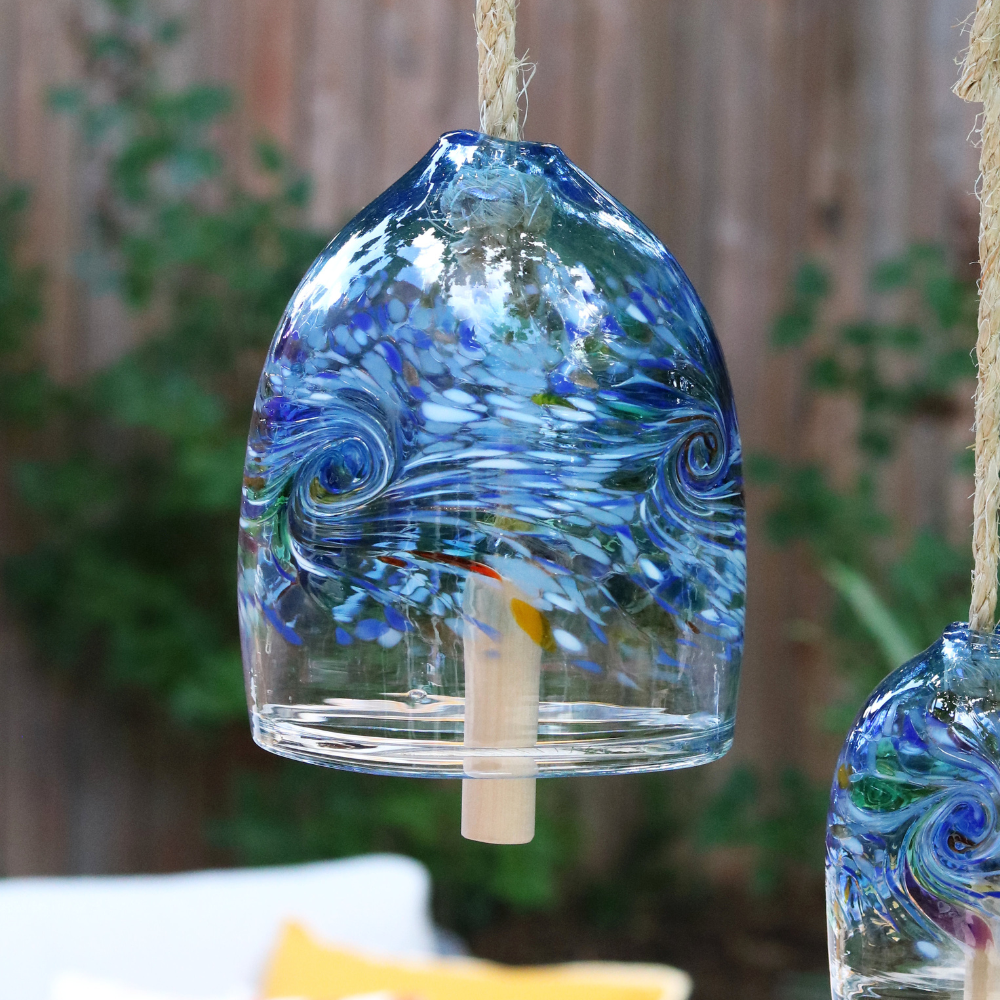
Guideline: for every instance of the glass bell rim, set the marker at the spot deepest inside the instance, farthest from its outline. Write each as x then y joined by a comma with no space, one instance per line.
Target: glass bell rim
408,758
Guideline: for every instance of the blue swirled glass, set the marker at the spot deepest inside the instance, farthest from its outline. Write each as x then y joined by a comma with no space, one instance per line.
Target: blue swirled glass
495,376
913,843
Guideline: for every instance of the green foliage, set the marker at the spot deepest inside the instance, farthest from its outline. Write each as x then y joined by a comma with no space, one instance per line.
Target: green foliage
894,370
896,588
24,391
133,501
871,611
784,825
649,880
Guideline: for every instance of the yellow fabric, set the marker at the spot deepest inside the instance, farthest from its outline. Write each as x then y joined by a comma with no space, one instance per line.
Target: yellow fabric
302,967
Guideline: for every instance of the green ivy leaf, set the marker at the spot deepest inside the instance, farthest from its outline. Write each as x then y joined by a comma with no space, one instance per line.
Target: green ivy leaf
812,281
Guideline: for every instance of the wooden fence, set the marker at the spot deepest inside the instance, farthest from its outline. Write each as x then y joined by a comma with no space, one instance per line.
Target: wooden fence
746,133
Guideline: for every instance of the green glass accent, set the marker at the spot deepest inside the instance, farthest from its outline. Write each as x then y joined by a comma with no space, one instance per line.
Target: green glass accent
885,794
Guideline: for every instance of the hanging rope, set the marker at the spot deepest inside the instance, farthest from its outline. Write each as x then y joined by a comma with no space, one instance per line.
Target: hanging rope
499,68
980,81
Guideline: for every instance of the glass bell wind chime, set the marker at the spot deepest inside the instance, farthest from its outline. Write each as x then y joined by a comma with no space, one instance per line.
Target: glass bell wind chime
493,522
913,843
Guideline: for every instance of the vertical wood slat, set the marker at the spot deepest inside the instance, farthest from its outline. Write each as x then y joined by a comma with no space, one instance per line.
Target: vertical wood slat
270,62
335,155
745,134
614,154
41,151
744,298
415,43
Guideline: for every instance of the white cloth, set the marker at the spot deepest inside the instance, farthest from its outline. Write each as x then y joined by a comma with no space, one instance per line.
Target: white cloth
75,987
203,935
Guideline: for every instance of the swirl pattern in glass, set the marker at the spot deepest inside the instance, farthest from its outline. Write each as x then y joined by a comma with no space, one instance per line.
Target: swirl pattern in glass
495,375
913,844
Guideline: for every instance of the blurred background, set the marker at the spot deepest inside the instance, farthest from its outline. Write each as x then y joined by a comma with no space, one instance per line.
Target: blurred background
169,168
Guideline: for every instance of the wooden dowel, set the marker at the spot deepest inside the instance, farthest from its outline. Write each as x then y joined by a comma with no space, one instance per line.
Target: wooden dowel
982,974
502,670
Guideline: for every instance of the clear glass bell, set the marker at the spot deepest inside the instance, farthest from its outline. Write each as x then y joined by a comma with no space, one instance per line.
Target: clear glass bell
493,520
913,844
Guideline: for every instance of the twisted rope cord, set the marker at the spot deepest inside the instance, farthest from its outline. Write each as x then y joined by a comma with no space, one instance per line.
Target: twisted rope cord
980,81
498,68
